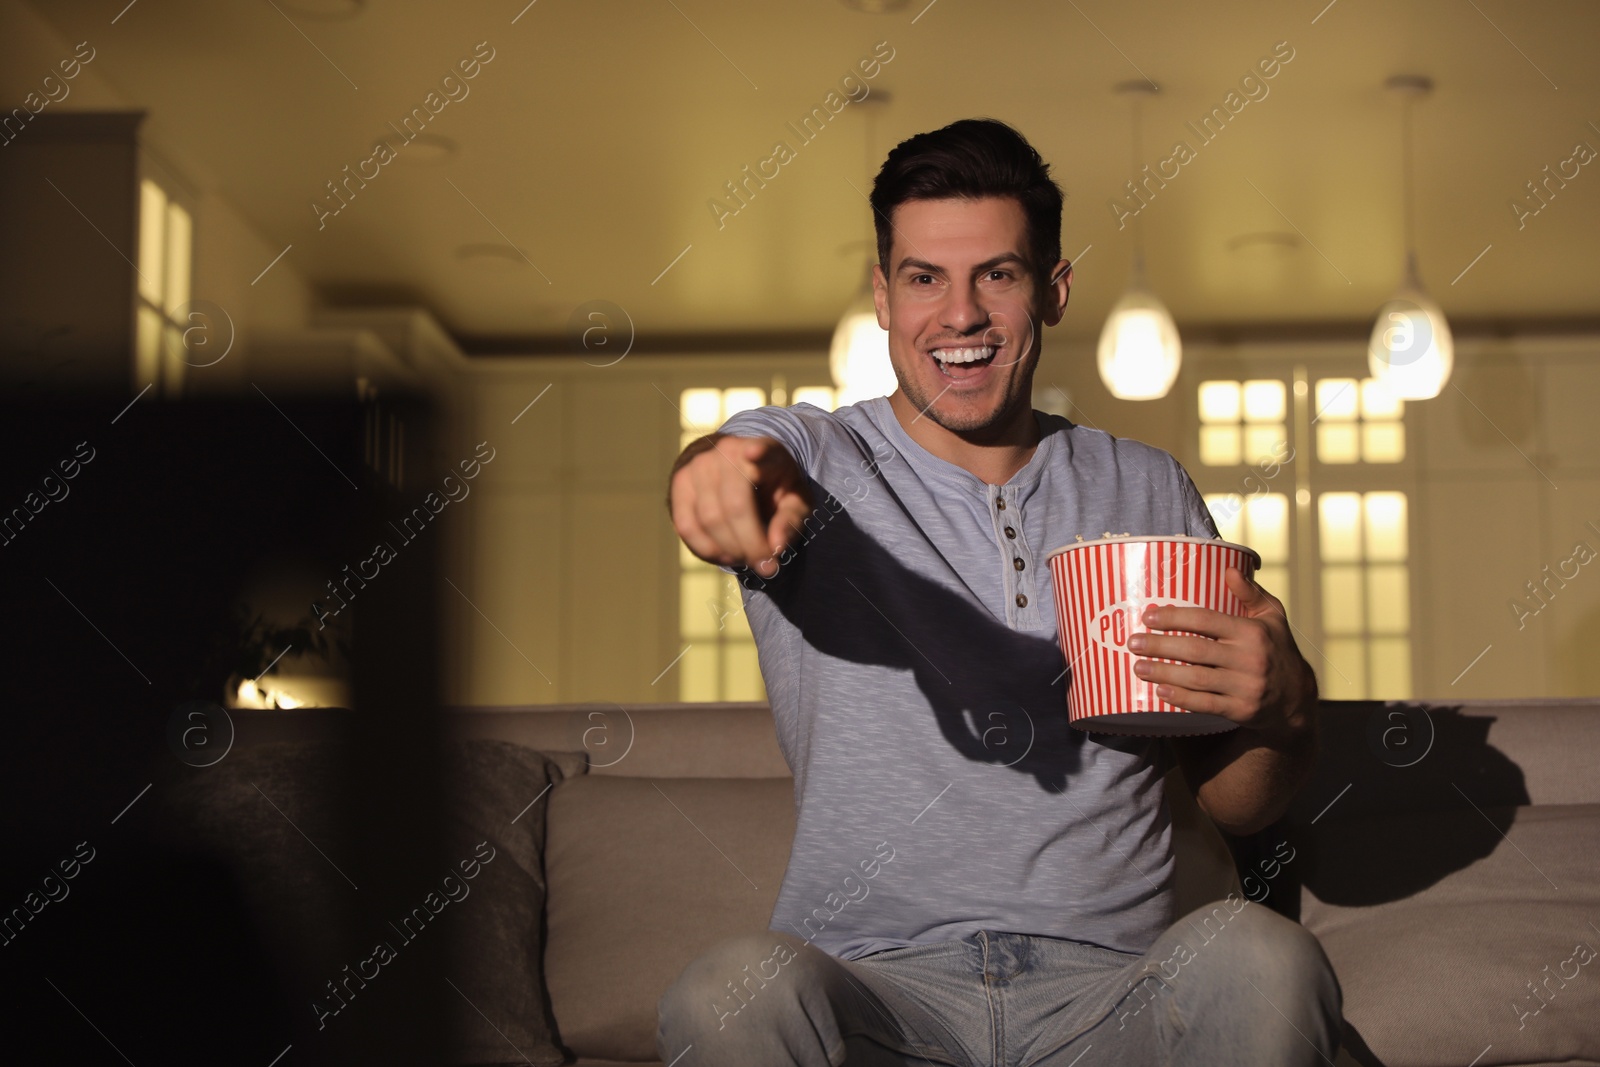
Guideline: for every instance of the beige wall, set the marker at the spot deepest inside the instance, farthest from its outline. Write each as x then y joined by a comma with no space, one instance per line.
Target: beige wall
229,251
1513,479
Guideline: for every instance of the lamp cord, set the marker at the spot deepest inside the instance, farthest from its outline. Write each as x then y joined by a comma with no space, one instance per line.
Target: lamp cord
1409,186
1138,229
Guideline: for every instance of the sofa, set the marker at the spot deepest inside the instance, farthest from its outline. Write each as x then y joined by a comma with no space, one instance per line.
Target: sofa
1447,857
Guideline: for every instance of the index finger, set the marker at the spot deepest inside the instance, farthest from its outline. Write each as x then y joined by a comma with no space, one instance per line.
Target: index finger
787,520
1195,620
741,509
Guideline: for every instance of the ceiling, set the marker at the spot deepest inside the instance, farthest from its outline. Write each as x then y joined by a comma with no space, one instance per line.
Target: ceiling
594,138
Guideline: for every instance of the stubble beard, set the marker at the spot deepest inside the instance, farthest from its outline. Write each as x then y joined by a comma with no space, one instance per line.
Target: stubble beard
976,424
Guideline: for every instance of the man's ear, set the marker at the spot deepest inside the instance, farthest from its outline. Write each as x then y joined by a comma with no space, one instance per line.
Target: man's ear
880,295
1054,303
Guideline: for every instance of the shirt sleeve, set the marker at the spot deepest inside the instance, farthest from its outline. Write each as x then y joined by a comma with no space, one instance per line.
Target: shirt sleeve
1197,521
782,423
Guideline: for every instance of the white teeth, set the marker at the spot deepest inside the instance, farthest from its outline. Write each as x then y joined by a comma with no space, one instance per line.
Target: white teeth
963,355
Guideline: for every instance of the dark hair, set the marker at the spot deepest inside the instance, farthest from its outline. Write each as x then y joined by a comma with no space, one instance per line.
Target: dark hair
970,159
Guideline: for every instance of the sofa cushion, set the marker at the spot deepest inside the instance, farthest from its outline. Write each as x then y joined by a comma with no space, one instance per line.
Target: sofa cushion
645,875
502,1015
240,811
1485,962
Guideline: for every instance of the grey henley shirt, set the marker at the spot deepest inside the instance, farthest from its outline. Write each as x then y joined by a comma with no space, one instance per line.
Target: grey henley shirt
908,644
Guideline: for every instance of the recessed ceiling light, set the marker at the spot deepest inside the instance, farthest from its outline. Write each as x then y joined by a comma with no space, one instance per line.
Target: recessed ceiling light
876,7
425,148
1264,242
324,9
492,256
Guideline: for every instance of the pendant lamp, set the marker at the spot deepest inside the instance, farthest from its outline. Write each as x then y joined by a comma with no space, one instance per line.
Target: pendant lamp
1140,351
859,356
1410,351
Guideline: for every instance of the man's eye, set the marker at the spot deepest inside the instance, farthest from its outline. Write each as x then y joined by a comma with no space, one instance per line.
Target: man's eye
918,278
999,275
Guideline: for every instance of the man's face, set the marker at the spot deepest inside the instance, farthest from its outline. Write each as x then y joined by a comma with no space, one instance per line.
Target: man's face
962,305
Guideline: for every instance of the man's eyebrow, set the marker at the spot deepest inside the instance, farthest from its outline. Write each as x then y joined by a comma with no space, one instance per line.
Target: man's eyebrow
988,264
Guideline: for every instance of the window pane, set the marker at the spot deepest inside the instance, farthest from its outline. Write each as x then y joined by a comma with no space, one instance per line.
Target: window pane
819,395
1341,600
687,559
1379,402
1264,442
1388,599
147,348
1219,445
736,400
1219,402
1339,526
1263,401
1227,511
698,604
1391,668
152,227
1275,580
700,410
1336,442
1267,526
179,250
1386,526
697,673
1344,673
741,672
735,623
1336,399
1383,442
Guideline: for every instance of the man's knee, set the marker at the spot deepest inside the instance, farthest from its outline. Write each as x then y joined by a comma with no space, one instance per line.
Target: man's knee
1279,956
735,976
1282,949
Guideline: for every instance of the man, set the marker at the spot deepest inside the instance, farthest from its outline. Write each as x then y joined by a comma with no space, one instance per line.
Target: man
972,881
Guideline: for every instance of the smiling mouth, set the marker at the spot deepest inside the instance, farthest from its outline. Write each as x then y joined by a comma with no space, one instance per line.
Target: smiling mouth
964,362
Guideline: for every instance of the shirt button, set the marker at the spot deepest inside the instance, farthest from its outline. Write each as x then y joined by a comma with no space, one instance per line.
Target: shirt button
1022,600
1017,563
1000,502
1011,533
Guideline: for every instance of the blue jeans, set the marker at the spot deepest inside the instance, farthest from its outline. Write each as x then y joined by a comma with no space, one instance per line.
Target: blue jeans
1230,983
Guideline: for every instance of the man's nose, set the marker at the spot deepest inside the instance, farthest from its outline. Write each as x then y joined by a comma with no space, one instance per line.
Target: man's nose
962,310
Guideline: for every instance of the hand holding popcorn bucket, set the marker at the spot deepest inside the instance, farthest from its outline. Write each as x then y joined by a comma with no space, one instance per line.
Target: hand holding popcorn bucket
1102,589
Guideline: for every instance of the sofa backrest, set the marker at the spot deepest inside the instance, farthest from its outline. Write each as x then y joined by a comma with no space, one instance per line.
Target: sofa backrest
645,741
1505,752
1551,742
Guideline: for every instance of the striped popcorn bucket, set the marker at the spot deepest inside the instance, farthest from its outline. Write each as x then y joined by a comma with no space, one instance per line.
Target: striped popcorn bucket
1102,588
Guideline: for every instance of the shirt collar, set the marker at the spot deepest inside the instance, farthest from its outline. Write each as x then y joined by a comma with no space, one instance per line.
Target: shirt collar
882,415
